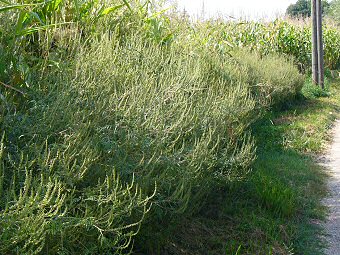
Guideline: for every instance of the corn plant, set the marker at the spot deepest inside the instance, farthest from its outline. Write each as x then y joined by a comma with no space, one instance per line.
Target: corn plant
284,38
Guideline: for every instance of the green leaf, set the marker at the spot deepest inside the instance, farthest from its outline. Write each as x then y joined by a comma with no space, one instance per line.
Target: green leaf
3,1
76,4
40,28
127,5
19,6
10,7
56,4
156,14
36,16
111,9
20,22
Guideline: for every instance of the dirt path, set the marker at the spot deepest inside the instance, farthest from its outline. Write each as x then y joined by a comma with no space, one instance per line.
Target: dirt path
332,225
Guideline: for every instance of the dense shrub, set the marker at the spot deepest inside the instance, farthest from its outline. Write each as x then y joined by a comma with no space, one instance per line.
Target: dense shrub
166,114
44,209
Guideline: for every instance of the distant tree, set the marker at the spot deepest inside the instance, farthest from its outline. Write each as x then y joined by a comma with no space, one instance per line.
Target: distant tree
302,8
334,10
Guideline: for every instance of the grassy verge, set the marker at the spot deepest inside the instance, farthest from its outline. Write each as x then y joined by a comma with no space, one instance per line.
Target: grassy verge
273,212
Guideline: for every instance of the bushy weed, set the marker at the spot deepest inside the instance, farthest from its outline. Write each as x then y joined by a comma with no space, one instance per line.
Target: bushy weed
125,108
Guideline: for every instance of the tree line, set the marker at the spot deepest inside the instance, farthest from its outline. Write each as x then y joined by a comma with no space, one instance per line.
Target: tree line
302,9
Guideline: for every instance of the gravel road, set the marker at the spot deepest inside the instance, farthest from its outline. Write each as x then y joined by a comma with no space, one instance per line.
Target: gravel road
332,225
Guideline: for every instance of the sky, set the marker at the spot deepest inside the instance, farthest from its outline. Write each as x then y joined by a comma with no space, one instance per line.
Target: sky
249,9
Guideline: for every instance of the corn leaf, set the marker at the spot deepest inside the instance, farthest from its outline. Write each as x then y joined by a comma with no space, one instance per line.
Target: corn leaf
111,9
39,28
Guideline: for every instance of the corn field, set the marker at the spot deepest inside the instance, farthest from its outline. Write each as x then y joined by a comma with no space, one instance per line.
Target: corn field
286,38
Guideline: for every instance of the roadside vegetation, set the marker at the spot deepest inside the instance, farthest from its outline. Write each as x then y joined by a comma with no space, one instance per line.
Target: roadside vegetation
130,130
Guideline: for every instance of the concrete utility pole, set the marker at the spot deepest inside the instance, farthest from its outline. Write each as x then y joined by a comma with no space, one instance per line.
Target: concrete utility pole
315,58
317,44
321,80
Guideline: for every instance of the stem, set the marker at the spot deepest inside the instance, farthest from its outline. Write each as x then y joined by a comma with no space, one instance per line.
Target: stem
10,87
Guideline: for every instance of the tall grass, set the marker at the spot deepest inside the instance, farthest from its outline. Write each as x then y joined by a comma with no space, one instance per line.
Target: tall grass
120,114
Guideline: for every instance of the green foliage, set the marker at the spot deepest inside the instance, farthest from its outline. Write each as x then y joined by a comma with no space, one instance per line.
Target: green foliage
302,8
266,82
41,15
284,38
334,10
275,195
310,90
170,126
282,196
125,92
43,212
